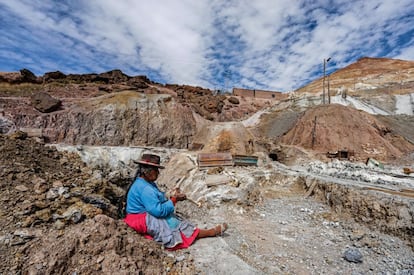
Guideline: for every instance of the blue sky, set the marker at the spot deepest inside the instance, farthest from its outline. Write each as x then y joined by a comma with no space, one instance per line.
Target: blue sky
259,44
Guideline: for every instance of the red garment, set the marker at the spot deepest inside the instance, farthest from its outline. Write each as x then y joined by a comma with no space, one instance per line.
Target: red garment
138,223
186,241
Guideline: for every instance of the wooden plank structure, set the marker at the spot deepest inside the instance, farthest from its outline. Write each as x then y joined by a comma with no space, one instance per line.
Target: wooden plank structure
214,159
244,160
341,154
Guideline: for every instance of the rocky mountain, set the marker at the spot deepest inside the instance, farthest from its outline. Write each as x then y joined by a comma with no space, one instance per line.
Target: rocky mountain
112,108
377,85
377,75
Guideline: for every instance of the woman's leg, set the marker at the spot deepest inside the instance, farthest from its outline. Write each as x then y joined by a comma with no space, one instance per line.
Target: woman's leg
212,232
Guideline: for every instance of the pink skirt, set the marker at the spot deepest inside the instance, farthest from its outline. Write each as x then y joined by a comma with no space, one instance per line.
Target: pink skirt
138,223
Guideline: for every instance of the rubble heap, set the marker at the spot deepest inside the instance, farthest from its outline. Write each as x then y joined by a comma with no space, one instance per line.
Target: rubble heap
59,216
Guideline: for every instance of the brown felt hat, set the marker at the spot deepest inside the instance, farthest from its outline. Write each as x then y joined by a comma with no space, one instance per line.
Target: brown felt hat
151,160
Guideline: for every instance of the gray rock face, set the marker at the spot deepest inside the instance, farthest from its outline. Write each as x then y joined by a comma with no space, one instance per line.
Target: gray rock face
125,118
6,125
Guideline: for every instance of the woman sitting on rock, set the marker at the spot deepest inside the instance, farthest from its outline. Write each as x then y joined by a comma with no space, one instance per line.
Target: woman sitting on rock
151,213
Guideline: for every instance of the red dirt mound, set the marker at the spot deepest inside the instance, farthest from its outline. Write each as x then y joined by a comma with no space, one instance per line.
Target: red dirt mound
329,128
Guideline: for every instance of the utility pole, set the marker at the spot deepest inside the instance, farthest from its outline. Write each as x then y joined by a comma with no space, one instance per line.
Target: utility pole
329,94
324,75
314,133
147,133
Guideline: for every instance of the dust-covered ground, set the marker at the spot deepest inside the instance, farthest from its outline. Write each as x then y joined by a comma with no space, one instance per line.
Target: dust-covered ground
60,216
277,225
293,235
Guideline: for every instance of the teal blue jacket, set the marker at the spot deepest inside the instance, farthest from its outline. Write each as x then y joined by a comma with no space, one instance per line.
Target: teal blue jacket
145,197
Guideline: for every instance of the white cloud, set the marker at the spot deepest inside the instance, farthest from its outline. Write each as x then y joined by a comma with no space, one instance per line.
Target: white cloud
406,54
262,44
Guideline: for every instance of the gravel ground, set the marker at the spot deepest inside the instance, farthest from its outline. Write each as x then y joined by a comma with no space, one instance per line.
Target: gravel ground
297,235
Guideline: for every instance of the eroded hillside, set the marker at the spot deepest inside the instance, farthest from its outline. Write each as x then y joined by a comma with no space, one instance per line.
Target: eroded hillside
331,128
112,108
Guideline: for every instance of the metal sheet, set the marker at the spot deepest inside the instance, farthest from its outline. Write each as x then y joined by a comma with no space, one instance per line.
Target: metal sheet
245,160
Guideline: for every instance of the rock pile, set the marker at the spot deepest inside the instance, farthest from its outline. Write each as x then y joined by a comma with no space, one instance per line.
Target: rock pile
58,216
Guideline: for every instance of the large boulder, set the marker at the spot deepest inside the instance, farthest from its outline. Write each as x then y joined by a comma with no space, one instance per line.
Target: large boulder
114,77
44,103
139,82
52,76
28,76
233,100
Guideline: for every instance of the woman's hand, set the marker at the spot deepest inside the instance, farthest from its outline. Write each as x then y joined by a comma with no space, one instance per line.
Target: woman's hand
180,196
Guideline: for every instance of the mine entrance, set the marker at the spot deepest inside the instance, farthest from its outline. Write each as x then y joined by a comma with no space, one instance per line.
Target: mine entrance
273,156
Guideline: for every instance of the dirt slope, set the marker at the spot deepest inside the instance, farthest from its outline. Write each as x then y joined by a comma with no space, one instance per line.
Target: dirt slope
59,217
329,128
